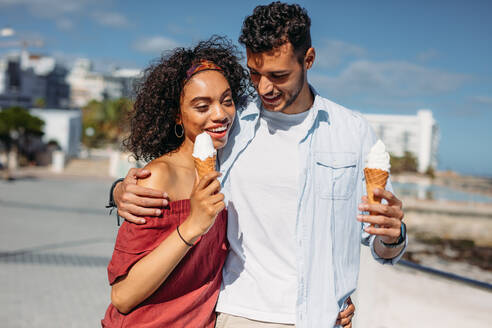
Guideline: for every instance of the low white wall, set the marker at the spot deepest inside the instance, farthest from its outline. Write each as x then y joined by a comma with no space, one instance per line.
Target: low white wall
62,125
120,163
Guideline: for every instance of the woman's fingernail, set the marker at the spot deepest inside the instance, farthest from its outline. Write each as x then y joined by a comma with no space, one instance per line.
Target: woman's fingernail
158,212
142,221
164,202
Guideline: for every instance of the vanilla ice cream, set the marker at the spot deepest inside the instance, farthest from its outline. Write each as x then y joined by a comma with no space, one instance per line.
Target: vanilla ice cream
204,147
378,157
204,154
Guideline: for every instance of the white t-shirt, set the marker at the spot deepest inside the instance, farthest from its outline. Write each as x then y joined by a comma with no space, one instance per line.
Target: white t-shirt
260,274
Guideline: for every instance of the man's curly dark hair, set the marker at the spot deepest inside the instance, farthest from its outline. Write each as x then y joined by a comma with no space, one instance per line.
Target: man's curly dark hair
157,104
273,25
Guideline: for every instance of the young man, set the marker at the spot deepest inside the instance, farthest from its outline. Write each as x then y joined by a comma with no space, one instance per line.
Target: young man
293,178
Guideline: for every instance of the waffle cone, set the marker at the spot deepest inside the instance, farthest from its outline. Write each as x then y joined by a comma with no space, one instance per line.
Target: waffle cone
204,167
375,178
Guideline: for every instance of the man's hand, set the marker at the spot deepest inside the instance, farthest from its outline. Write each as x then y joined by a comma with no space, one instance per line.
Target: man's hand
135,202
345,317
387,217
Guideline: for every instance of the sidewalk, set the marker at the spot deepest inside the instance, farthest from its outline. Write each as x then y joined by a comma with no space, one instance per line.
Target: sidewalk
55,243
400,297
56,240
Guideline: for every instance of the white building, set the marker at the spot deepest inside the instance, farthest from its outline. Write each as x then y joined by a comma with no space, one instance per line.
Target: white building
128,77
56,92
26,77
62,125
19,84
417,134
87,85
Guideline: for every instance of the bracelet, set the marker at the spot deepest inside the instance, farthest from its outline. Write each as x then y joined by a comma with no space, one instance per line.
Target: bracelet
184,241
401,239
395,245
111,204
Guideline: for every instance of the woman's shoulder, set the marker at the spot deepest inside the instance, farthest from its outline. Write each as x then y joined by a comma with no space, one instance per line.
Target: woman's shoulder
162,175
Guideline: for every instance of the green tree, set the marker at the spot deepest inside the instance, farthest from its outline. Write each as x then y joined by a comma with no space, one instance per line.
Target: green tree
17,125
431,173
105,121
405,163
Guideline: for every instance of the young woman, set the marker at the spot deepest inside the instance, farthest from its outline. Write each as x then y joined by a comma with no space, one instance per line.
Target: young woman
167,273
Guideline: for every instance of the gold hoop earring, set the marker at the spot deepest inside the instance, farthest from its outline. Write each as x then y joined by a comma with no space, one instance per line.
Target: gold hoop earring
179,135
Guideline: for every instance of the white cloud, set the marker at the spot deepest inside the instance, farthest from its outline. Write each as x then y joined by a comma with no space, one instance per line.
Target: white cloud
22,38
112,19
427,55
154,44
391,104
179,29
333,53
389,79
64,12
64,24
49,8
483,100
8,2
99,64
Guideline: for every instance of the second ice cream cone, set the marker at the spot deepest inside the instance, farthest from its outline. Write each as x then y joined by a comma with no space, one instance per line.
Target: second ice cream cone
375,178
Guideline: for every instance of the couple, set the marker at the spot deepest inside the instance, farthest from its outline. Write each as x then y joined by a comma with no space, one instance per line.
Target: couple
291,175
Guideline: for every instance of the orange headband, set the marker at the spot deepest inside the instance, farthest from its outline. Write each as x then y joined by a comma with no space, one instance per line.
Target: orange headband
202,65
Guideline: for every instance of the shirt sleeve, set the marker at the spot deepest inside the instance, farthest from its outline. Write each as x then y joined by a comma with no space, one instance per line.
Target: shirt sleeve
133,243
381,260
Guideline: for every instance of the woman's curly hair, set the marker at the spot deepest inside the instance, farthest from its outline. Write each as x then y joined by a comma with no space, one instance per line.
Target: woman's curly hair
157,104
272,25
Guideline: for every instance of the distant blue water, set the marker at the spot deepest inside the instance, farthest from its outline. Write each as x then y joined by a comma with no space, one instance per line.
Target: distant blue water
433,192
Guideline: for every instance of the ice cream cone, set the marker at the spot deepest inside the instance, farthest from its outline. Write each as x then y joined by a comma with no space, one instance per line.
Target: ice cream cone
375,178
204,167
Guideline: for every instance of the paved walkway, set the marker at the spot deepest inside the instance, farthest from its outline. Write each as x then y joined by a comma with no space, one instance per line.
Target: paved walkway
390,297
55,243
56,239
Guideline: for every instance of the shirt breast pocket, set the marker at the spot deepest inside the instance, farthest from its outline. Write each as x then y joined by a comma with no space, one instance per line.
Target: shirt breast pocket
336,174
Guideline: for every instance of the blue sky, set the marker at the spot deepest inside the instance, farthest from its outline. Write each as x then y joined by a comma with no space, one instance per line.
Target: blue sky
372,56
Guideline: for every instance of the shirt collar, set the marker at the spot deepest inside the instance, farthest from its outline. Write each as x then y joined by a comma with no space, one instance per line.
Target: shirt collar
319,113
252,110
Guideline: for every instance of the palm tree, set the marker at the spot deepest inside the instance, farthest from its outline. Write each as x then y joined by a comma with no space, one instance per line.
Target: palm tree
105,121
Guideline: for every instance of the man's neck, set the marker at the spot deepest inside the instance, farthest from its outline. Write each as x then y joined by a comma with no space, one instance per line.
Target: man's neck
303,102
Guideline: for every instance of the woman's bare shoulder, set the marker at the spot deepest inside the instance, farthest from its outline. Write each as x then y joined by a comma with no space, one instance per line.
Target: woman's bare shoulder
162,175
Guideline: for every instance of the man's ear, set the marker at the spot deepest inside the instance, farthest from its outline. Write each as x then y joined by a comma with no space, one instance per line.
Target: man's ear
309,58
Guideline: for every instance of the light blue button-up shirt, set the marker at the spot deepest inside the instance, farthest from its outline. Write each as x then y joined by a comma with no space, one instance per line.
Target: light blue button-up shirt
331,184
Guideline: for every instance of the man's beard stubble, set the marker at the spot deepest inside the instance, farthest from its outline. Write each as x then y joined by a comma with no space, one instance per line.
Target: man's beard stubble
300,84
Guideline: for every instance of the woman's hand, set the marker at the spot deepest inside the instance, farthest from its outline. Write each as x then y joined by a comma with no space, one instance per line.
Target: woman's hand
345,317
206,203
